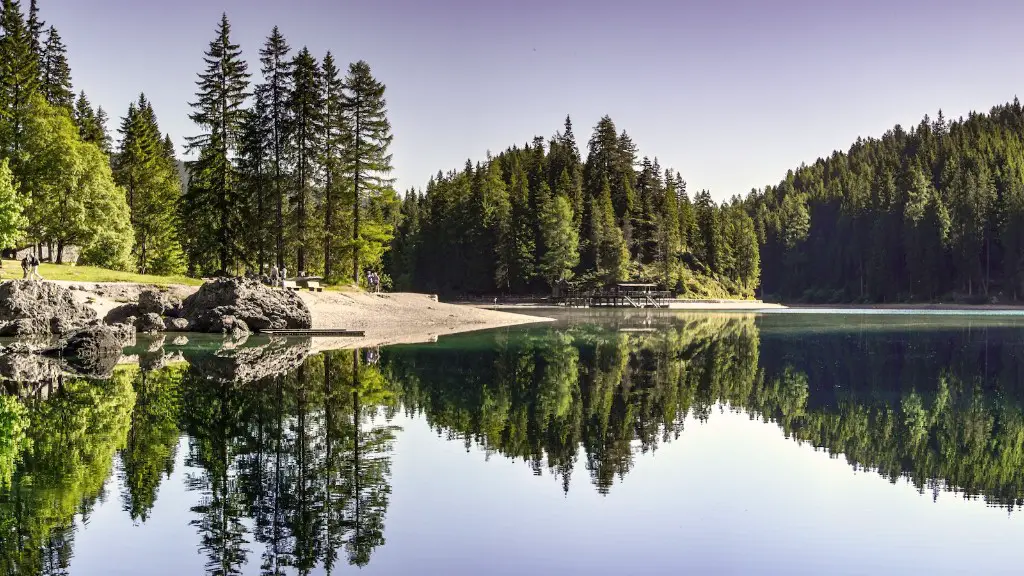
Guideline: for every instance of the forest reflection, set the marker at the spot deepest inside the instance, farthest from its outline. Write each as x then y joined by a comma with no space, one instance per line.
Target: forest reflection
299,462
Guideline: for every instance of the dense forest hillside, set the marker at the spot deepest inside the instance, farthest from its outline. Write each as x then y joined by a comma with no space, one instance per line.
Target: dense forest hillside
532,216
933,212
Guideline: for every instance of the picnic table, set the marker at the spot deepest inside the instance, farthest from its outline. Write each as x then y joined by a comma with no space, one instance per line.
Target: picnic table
311,283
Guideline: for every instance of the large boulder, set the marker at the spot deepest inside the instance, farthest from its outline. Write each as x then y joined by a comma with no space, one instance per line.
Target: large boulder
159,302
248,302
29,308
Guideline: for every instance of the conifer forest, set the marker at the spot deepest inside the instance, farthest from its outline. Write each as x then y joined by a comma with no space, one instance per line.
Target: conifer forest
289,165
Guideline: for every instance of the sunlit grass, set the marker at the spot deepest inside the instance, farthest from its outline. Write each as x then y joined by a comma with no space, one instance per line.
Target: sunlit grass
12,270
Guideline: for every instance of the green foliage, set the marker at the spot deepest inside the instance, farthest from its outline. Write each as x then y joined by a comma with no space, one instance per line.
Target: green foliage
19,79
13,425
928,213
366,164
491,228
150,179
219,112
55,78
561,241
74,198
12,206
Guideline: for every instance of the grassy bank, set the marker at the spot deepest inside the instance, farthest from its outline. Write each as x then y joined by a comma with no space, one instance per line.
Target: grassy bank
12,270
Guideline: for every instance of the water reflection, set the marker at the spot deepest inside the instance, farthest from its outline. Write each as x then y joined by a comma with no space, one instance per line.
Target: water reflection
289,454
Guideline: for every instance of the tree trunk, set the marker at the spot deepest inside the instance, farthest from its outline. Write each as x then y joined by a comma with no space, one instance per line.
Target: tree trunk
60,251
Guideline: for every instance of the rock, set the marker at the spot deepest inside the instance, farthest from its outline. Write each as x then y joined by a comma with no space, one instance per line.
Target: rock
150,322
123,314
248,363
29,368
157,302
175,325
257,306
30,308
180,341
229,325
92,351
125,333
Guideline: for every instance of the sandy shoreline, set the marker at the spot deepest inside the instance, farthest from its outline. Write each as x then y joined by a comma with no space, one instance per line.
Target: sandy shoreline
386,318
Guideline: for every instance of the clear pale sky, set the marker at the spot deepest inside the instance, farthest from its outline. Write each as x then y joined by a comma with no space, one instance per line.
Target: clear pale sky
732,93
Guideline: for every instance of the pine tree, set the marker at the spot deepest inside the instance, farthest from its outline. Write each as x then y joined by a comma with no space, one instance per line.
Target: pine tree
218,109
561,240
367,161
253,162
275,91
336,135
35,32
668,244
55,82
148,173
19,79
518,241
305,109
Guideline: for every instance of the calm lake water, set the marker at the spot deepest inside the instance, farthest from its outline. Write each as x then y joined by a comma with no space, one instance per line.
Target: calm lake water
607,443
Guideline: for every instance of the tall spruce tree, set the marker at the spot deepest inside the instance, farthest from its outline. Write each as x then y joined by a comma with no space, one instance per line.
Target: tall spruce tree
148,173
275,91
305,109
367,162
35,31
19,79
336,137
256,172
55,81
218,111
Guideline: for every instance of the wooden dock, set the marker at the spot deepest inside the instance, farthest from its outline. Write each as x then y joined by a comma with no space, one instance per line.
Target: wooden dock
315,332
619,295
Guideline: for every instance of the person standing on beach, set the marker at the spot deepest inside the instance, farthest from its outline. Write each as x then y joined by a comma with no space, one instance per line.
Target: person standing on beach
24,267
34,262
274,276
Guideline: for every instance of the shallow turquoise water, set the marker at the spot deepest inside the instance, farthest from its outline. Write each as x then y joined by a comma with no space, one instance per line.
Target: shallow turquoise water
606,443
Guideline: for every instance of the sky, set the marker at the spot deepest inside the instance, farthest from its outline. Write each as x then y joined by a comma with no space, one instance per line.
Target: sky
731,93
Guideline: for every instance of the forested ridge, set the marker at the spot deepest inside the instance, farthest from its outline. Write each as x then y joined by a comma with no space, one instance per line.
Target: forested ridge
289,168
537,214
935,212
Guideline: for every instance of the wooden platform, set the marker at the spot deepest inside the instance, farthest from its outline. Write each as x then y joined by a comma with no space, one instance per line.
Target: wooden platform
314,332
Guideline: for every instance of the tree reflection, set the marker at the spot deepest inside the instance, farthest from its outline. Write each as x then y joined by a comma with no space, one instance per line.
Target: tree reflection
291,472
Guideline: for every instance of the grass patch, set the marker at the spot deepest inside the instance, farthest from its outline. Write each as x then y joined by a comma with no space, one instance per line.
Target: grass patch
12,270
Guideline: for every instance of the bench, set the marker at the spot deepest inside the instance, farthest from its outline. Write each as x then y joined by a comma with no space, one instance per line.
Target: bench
314,286
289,285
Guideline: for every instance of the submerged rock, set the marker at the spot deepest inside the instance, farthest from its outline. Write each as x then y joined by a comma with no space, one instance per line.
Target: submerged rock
30,308
175,324
248,303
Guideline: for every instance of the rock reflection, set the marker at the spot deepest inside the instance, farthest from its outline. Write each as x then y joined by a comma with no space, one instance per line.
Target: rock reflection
289,454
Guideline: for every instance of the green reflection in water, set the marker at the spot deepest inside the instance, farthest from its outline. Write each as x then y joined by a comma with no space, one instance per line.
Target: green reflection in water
289,454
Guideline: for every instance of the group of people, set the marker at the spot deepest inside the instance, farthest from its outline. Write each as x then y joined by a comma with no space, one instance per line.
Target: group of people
277,276
30,267
373,281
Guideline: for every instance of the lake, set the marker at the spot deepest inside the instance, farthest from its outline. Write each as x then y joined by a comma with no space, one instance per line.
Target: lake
605,443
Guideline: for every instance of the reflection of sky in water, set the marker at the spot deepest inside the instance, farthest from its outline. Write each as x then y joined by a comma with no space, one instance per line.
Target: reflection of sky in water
730,496
924,395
